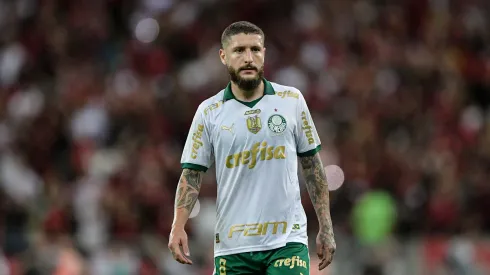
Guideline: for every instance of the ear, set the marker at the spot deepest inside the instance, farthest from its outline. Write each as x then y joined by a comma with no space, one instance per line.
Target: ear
222,56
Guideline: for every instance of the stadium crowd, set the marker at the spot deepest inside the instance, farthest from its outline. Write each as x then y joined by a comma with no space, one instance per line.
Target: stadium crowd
95,107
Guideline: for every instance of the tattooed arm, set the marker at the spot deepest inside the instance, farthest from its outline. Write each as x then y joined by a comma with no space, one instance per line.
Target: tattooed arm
185,199
317,186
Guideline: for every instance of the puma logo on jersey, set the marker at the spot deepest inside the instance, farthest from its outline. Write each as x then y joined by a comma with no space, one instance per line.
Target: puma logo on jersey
257,153
307,128
223,127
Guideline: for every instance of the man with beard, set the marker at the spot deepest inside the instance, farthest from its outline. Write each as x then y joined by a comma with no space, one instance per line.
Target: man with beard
254,130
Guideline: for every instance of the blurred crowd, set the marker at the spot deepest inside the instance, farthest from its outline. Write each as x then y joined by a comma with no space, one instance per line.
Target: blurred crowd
96,98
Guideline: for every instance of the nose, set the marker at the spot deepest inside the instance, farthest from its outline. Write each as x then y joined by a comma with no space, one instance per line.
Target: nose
248,56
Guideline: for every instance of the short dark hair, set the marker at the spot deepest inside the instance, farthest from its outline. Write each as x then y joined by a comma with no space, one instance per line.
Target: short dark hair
238,28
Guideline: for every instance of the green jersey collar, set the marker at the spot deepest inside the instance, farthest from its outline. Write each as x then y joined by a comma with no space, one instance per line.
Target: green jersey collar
268,90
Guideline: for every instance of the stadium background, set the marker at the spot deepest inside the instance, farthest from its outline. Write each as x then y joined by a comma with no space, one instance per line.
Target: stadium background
96,97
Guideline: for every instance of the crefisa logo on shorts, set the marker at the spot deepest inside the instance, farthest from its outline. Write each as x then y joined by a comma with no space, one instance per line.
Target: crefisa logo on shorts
291,262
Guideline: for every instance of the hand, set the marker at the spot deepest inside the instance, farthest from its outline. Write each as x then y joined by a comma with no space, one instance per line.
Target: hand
179,246
325,248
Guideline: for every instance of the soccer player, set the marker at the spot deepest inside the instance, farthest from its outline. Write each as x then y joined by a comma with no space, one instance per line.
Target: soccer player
254,131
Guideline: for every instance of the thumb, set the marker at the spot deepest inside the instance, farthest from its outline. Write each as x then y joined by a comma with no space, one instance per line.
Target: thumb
185,246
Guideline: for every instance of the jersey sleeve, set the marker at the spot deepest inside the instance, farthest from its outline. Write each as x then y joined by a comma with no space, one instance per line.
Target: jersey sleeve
198,150
307,139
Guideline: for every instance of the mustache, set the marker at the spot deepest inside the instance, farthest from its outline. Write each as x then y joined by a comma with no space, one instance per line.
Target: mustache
248,68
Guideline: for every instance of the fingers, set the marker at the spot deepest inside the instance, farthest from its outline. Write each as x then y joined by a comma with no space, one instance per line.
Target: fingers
185,247
327,258
319,250
324,262
178,255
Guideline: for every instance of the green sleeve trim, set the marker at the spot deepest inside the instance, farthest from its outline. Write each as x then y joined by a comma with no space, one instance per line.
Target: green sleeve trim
311,152
194,167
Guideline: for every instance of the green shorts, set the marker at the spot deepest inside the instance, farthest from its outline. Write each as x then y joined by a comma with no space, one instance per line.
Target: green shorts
292,259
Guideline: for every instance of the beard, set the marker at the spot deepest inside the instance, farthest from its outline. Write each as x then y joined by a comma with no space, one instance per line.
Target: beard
246,84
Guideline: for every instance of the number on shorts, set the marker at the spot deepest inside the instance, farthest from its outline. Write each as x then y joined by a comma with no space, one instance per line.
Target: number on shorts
222,267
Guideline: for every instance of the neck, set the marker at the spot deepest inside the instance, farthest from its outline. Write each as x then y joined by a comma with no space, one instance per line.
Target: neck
246,96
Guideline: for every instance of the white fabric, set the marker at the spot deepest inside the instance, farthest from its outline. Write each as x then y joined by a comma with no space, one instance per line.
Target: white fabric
256,172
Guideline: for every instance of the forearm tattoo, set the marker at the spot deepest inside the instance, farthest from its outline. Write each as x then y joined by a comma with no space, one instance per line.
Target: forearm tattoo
317,186
188,189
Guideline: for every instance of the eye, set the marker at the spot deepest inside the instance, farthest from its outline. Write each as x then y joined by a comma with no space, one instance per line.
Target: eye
239,50
256,49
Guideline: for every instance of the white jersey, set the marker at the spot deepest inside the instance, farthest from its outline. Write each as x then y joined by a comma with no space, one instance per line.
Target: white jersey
254,146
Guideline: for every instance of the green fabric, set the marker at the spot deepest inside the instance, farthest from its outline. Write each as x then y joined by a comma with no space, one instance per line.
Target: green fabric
374,217
311,152
268,90
250,104
194,167
292,259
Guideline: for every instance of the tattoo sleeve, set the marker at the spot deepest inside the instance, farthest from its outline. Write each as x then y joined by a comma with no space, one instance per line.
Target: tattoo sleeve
317,186
188,190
